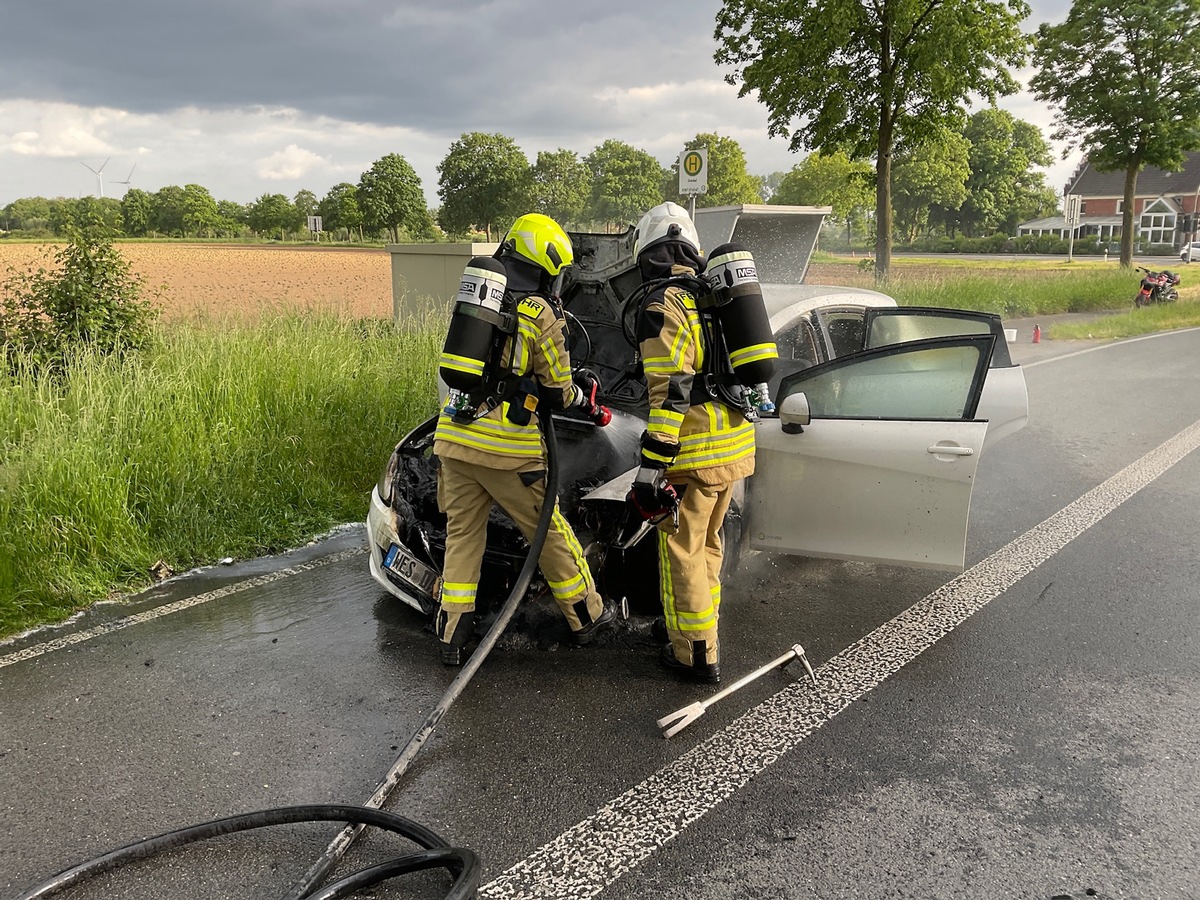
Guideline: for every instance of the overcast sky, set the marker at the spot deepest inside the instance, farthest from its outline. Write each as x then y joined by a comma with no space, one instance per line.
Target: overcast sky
253,97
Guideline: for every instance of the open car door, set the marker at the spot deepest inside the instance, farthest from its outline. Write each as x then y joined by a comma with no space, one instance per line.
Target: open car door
873,456
1005,400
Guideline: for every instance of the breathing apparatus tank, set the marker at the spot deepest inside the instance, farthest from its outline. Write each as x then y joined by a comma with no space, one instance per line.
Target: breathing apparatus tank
742,314
477,319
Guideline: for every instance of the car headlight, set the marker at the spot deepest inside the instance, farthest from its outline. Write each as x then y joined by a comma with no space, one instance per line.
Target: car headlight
384,485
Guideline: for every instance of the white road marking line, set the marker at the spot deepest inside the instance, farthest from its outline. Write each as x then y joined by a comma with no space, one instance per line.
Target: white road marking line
587,858
1134,340
167,609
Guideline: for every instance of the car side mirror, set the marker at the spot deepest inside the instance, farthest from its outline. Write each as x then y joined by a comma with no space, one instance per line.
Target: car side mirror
794,414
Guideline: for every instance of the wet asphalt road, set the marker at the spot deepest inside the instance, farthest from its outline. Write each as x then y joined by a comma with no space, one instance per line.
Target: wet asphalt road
1047,745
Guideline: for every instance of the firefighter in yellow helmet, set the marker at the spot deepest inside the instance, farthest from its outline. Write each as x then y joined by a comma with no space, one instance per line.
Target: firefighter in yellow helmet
699,441
488,442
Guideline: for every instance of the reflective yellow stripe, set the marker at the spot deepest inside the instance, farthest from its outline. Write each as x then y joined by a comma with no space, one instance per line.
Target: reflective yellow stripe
678,348
714,449
559,370
581,584
565,590
667,419
461,364
697,621
493,435
660,365
664,425
666,586
656,457
459,594
753,353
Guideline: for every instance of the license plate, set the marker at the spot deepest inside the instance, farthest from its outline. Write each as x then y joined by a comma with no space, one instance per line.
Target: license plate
410,570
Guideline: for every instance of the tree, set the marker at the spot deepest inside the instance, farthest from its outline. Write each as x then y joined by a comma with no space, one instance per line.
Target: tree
390,196
200,216
483,181
867,78
625,182
339,209
137,210
1003,188
28,214
271,213
833,180
729,184
559,186
1123,76
232,218
167,211
771,183
305,202
931,174
99,211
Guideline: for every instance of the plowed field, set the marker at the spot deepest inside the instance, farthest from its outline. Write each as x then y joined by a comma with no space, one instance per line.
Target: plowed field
223,280
219,280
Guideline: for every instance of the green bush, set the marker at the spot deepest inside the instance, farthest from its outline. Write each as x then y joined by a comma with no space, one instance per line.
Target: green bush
88,298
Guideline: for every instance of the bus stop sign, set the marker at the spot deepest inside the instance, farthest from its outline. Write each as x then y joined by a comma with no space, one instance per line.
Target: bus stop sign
693,171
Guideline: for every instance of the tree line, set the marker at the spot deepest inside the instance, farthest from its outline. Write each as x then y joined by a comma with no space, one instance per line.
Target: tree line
877,92
887,83
974,183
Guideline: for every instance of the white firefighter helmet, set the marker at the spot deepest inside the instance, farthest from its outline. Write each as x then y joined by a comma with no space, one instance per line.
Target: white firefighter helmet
666,222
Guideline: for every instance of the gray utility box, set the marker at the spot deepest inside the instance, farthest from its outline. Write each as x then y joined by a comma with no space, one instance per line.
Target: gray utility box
426,276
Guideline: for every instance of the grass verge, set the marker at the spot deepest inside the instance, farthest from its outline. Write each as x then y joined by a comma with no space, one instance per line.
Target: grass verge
1184,314
219,440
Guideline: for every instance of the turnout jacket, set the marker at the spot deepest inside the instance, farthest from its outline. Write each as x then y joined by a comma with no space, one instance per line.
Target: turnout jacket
716,442
538,350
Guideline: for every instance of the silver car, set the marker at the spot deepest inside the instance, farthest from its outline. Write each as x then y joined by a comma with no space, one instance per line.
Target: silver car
882,415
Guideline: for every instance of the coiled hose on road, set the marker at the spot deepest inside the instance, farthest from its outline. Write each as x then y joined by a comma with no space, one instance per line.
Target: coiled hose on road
461,863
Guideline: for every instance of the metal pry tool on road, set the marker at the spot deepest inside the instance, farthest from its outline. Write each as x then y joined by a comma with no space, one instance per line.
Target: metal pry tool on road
682,718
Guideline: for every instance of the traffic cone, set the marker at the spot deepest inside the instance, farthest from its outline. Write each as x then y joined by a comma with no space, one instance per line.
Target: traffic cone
1037,334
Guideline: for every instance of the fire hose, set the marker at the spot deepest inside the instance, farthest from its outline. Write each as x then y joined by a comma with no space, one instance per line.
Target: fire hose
461,863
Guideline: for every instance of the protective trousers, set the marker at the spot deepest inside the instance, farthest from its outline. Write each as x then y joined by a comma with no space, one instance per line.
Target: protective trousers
689,571
465,494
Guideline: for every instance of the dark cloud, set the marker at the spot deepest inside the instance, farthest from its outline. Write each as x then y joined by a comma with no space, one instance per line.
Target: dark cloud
433,66
253,96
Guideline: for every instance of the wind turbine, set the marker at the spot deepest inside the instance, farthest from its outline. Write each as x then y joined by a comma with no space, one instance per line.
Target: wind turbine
127,177
99,179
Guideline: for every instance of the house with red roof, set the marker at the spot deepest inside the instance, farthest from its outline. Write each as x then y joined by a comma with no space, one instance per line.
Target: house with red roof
1164,207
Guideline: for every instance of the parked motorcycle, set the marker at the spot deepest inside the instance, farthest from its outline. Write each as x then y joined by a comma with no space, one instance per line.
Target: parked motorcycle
1157,287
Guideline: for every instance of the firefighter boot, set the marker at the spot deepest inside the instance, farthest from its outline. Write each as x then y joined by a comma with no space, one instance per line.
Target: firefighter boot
454,630
699,669
589,625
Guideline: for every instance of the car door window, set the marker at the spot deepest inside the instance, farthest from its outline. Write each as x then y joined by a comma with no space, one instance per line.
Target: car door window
903,324
845,331
937,378
797,345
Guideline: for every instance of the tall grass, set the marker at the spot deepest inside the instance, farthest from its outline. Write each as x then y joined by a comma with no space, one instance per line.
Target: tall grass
219,440
1015,292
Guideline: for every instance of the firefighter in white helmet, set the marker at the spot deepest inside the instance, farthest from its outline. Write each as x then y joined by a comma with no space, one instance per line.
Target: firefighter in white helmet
488,442
699,441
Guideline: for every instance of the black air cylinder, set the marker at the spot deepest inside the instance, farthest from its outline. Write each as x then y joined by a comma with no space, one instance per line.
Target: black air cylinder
473,324
742,313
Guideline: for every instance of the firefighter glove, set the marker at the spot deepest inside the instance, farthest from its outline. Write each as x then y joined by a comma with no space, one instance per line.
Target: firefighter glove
651,495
